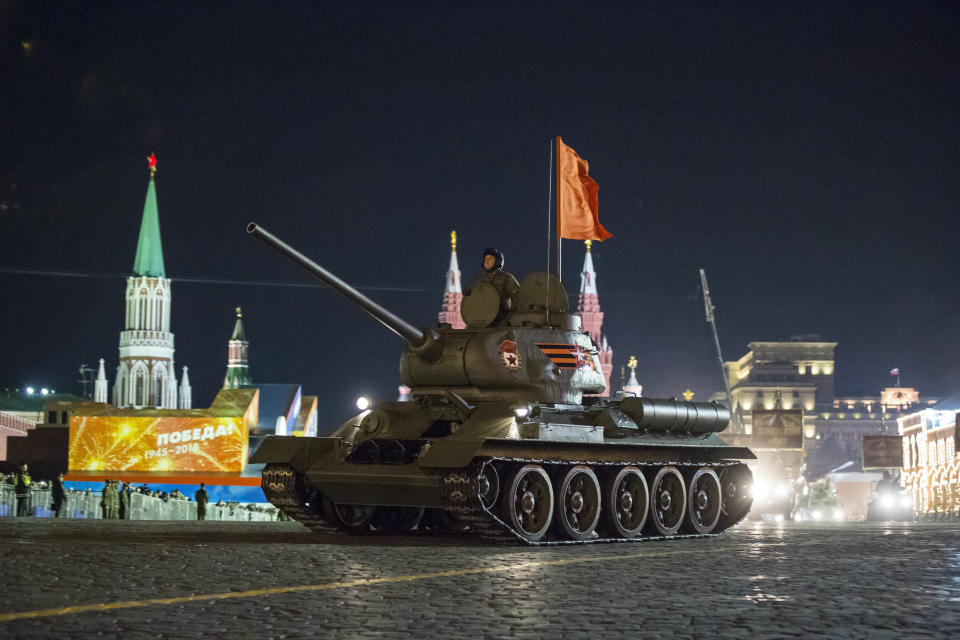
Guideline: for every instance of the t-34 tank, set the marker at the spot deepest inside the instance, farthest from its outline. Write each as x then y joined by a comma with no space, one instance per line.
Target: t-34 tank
500,440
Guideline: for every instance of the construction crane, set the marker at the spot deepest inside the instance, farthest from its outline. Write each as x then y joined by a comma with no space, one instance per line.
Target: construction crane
711,320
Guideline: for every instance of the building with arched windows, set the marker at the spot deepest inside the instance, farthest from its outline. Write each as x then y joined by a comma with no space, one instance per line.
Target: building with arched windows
145,374
931,464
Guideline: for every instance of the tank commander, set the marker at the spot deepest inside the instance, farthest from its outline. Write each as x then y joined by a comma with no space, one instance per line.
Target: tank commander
503,281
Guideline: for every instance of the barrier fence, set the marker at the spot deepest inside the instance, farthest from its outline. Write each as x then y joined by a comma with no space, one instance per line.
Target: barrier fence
81,504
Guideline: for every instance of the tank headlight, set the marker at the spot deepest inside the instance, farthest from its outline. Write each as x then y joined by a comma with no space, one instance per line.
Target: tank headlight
817,514
782,490
522,412
838,515
906,501
886,501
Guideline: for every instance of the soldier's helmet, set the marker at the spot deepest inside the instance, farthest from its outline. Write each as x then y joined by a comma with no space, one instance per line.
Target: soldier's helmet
497,256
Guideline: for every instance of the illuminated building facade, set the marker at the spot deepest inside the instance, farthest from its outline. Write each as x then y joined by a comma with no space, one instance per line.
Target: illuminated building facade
797,374
931,466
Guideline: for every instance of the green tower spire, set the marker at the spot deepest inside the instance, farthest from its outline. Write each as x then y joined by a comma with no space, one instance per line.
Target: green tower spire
238,371
149,260
238,328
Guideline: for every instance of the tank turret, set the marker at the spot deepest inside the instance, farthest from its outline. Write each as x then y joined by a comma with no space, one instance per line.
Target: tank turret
540,355
499,439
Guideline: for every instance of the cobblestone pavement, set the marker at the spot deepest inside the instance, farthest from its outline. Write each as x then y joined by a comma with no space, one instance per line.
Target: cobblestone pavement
760,580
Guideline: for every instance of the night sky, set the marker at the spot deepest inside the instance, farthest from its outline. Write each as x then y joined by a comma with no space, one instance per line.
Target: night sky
806,155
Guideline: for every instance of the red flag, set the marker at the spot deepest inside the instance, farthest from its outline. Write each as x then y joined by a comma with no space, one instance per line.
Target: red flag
576,198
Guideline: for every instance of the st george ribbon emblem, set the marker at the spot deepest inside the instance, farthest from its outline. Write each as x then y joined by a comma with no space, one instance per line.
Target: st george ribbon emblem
509,356
568,356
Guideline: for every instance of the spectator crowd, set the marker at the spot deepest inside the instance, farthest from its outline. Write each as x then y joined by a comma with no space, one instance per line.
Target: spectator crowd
51,498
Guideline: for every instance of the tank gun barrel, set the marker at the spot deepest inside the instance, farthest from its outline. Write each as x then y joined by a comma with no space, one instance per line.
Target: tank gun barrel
415,337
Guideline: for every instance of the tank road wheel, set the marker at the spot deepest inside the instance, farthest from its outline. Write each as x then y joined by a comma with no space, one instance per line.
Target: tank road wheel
703,501
398,519
668,496
488,486
578,503
736,482
627,497
528,505
349,518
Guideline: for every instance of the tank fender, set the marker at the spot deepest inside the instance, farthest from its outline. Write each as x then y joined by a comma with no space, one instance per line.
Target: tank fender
450,452
300,453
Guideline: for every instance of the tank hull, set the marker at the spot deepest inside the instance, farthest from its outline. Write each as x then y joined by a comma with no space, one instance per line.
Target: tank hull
310,477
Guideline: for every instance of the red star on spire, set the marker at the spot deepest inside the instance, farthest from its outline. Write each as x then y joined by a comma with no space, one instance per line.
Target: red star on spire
152,161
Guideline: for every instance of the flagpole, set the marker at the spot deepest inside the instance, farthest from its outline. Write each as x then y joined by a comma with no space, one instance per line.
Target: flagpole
559,231
546,304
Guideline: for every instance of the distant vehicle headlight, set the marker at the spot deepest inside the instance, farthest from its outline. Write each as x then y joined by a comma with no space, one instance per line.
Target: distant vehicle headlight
887,501
906,501
759,491
838,515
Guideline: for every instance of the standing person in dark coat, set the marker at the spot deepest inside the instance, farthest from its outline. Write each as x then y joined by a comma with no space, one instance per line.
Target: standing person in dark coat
59,495
202,498
22,491
126,500
123,502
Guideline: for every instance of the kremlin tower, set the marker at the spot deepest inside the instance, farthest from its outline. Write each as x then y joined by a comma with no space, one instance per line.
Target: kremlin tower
145,375
452,294
588,307
238,371
633,386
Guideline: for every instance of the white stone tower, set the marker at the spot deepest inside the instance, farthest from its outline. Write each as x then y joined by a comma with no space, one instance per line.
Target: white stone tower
186,393
100,385
145,375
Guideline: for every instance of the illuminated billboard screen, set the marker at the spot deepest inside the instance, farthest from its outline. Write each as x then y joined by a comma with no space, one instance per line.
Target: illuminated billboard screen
179,444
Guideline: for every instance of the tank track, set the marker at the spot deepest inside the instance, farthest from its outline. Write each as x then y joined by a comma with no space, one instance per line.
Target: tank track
282,489
461,491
